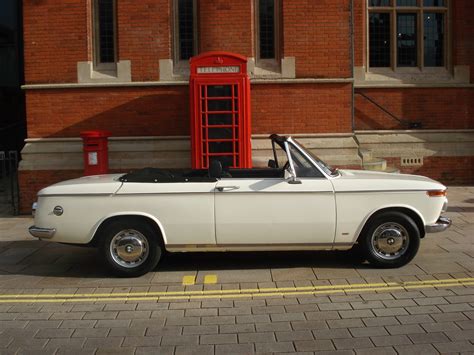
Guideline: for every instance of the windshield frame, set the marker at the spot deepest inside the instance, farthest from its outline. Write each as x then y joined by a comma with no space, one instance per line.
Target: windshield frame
323,167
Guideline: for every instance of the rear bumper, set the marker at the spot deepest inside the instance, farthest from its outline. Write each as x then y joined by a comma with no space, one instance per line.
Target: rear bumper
441,224
42,233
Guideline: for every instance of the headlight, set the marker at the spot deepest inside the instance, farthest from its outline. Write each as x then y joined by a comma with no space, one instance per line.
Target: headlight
34,208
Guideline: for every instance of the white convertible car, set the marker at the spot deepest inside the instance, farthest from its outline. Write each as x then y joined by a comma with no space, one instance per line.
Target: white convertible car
297,203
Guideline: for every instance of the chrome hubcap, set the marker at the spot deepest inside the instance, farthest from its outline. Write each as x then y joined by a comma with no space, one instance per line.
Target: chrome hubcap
129,248
390,241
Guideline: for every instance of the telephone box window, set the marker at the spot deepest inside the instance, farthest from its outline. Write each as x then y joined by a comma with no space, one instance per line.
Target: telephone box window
104,24
186,29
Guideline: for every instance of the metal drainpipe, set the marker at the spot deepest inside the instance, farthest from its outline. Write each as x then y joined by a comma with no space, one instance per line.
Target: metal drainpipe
353,63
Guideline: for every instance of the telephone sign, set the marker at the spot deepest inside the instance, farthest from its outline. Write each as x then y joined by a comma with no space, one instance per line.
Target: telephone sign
220,110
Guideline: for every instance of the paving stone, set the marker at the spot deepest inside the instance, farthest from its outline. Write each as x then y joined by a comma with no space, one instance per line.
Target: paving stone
153,350
275,347
33,316
331,333
367,331
235,311
94,343
387,312
367,305
268,309
421,349
116,350
100,315
404,329
427,338
314,345
134,314
70,343
120,307
439,327
41,324
287,317
310,324
360,313
335,306
112,323
164,331
345,323
236,328
127,332
200,329
218,339
430,301
218,320
260,318
168,313
54,333
226,349
68,315
322,315
148,323
258,337
455,347
91,332
465,324
134,341
294,335
201,312
352,343
415,319
299,308
457,307
185,305
457,335
423,310
184,321
199,349
181,340
390,340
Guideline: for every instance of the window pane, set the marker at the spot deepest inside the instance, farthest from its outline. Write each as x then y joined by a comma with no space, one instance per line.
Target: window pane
434,39
186,29
379,2
379,41
106,35
266,18
406,40
407,2
434,3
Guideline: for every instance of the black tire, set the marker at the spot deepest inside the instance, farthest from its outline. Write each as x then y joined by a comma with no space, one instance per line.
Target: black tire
131,248
390,240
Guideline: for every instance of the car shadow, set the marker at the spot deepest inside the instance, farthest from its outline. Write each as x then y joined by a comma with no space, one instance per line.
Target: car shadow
52,260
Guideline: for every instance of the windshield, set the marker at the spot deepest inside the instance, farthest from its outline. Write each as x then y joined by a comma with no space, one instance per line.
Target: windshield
322,165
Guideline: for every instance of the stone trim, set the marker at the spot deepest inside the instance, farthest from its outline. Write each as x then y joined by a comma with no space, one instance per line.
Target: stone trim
121,72
179,83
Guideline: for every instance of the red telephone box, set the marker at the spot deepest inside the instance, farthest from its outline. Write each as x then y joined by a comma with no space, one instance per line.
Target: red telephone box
220,110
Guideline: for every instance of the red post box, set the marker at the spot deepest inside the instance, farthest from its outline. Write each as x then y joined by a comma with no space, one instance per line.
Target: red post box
96,152
220,110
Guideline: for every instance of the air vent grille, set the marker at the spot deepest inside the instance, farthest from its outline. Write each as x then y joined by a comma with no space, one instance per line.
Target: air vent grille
412,161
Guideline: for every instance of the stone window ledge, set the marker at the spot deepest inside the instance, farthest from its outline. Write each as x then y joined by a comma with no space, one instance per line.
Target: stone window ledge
120,72
385,77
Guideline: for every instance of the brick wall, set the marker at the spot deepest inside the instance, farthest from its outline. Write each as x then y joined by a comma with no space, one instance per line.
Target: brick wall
317,33
164,111
55,39
463,33
435,108
226,25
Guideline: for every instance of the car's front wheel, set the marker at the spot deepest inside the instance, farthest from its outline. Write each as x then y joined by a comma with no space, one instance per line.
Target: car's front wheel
130,248
390,240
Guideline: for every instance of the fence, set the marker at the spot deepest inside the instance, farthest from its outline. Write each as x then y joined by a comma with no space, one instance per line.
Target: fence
9,191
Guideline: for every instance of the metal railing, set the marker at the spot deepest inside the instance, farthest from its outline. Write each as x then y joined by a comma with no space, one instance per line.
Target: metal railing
9,190
402,122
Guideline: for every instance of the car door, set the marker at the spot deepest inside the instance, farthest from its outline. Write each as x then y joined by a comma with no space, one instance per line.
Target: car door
273,211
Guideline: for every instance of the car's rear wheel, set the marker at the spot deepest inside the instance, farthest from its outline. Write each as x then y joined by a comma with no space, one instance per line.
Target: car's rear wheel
131,248
390,239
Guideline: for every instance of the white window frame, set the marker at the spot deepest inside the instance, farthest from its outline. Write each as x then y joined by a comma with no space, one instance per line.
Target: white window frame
97,64
272,64
181,66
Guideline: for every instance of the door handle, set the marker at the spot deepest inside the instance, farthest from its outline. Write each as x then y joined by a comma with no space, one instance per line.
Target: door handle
227,188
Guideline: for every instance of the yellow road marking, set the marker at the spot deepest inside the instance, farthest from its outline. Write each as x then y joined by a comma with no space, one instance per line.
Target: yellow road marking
189,280
213,294
407,284
210,279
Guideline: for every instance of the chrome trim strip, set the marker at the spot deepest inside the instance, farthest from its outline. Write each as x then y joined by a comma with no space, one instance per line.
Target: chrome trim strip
441,225
76,195
267,245
377,191
233,191
42,233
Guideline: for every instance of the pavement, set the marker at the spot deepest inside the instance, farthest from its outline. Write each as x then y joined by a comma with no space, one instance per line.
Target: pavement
57,299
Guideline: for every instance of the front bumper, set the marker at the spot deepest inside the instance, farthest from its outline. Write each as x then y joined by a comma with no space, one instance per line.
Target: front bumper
42,233
441,224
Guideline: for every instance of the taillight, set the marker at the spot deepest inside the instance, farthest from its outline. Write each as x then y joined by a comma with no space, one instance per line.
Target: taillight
437,193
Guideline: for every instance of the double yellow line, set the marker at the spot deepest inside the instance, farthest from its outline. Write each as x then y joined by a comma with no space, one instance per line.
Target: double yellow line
236,293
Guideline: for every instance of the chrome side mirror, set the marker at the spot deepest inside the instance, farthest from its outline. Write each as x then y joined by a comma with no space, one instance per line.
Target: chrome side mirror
291,178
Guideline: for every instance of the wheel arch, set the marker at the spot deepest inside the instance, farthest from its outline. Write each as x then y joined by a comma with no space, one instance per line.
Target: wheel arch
143,217
410,212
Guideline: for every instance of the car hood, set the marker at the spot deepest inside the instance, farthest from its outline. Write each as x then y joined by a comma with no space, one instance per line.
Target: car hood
96,184
363,180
